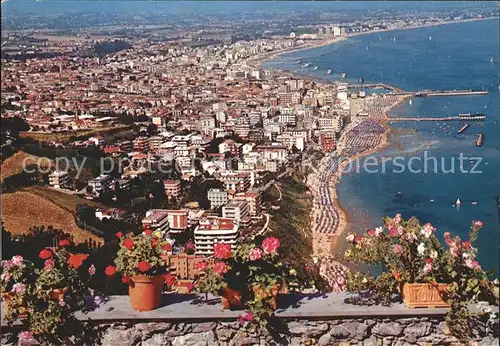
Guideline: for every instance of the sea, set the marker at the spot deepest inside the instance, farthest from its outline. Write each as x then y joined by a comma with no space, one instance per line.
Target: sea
445,57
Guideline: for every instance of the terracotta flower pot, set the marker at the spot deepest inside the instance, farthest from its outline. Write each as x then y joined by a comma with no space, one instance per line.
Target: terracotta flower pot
425,295
145,292
57,294
260,291
7,298
231,298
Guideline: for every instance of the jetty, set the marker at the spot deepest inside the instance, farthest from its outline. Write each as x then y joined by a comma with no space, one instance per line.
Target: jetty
422,93
460,118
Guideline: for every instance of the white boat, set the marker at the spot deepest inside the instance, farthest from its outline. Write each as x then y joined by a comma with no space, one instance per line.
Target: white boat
457,203
410,102
394,39
329,72
473,203
430,38
366,47
315,68
491,60
307,64
343,75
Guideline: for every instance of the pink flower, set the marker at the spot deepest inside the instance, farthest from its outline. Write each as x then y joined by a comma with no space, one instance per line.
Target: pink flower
91,270
5,277
222,251
371,232
397,249
247,317
25,336
7,264
358,239
49,264
62,302
18,288
473,264
427,268
427,230
17,260
447,234
397,219
393,231
221,268
255,254
478,224
270,245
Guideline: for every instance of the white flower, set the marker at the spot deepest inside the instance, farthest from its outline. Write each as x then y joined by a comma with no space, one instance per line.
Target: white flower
495,281
421,249
427,230
433,254
347,253
468,263
465,255
378,231
350,238
364,281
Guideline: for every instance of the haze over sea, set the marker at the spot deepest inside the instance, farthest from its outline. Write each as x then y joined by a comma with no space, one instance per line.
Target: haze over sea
453,56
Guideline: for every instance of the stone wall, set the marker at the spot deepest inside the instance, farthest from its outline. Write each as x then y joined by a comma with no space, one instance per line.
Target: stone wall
359,332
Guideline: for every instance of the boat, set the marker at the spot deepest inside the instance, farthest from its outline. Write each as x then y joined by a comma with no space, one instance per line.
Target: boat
410,102
458,202
361,80
479,139
299,61
394,39
343,75
307,64
463,128
315,68
473,202
329,72
491,60
366,47
430,38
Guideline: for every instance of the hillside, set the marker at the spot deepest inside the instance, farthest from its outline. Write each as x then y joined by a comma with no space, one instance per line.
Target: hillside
23,209
14,164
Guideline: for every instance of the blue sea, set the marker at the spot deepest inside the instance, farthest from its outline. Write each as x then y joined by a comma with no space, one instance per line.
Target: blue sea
454,56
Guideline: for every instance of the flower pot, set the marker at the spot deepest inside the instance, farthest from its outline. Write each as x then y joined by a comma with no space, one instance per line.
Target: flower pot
7,298
57,294
145,292
425,295
231,298
272,294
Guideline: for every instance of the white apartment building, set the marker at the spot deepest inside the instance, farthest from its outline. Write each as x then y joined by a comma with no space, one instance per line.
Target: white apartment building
217,198
213,230
238,211
59,179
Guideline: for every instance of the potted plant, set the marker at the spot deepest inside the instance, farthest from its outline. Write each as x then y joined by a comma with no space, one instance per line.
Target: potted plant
141,261
413,263
16,280
46,296
251,276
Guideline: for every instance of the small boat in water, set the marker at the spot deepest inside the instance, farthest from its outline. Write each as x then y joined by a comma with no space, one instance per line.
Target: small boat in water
329,72
307,64
463,128
458,202
479,140
430,38
299,61
315,68
343,75
410,102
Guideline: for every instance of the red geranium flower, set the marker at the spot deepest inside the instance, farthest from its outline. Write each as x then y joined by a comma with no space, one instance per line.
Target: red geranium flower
221,268
110,270
45,254
76,260
467,244
153,242
270,245
393,232
148,232
167,247
201,266
371,232
170,279
222,251
428,260
64,242
358,239
143,266
128,243
125,279
119,234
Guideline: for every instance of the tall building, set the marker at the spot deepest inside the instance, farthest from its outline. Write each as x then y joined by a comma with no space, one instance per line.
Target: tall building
217,198
157,221
172,188
214,230
59,179
238,211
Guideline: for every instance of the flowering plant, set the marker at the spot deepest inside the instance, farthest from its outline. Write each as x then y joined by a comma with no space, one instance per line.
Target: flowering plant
410,253
46,297
140,255
255,270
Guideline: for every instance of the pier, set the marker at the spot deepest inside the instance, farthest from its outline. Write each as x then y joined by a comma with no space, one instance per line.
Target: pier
423,93
460,117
